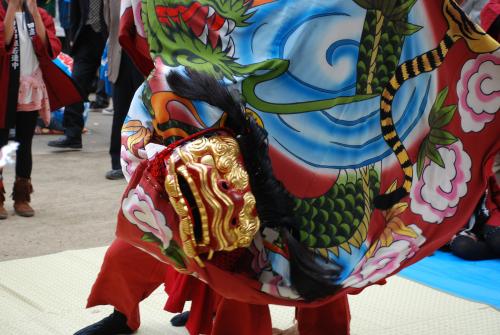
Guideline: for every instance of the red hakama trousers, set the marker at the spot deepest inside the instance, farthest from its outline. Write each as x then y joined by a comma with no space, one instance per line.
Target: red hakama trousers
129,275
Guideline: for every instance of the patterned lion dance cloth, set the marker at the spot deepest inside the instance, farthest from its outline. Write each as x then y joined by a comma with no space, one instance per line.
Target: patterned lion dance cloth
364,138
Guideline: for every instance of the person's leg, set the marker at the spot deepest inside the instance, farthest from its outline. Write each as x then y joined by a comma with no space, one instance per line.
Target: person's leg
492,238
4,138
25,130
101,98
128,276
333,318
470,248
86,61
129,79
204,301
491,231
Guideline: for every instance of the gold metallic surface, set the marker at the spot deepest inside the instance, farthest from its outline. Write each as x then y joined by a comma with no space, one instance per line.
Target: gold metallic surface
249,223
217,178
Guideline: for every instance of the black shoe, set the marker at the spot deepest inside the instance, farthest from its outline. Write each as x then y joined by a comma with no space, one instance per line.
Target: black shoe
66,142
114,324
180,320
98,104
115,174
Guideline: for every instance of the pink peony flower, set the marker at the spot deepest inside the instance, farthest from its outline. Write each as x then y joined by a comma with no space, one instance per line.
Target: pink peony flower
128,161
436,194
139,209
385,260
479,91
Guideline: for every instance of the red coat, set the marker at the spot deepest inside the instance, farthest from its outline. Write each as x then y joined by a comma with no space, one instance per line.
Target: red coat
61,89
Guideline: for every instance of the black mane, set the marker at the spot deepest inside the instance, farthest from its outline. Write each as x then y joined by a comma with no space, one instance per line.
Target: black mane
312,276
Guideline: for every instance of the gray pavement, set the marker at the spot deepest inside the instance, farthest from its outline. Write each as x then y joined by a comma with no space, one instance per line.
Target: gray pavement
75,205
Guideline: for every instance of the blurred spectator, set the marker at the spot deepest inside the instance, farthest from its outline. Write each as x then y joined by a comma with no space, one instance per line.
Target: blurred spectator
88,36
125,78
103,86
101,96
63,9
65,63
103,76
31,84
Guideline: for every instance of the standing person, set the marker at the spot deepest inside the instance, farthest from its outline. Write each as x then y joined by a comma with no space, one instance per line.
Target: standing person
31,85
65,21
125,78
88,37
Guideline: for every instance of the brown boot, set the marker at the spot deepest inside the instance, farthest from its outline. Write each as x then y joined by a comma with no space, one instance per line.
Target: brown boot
3,212
21,196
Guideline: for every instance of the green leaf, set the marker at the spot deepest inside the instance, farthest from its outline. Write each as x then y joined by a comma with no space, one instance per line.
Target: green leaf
434,155
436,106
441,137
444,116
175,254
150,237
406,28
422,153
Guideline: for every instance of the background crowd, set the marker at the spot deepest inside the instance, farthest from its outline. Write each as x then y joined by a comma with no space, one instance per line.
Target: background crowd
49,97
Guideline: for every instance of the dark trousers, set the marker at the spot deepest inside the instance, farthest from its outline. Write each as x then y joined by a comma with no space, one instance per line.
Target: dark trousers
129,79
25,129
100,93
86,53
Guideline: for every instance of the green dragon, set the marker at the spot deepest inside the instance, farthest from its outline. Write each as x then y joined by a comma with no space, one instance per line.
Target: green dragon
197,35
